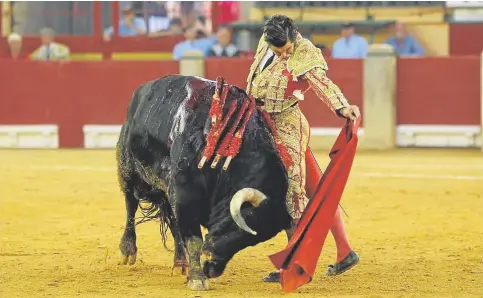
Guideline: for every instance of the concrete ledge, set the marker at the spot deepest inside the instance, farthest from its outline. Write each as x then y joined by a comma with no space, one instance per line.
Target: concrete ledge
101,136
29,136
423,136
192,64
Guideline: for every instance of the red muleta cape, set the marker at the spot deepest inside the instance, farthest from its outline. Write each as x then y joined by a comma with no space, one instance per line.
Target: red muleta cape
299,259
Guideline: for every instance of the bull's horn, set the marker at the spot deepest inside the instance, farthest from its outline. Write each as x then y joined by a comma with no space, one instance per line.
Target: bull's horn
254,196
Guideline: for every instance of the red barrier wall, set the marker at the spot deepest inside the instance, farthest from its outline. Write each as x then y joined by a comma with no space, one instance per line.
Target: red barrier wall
347,74
72,94
465,39
438,91
92,44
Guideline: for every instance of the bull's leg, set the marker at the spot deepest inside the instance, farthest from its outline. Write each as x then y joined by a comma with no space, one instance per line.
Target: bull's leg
128,242
180,260
187,213
197,280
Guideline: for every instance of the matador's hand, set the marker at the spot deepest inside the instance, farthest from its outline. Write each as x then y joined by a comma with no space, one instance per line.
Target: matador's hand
351,112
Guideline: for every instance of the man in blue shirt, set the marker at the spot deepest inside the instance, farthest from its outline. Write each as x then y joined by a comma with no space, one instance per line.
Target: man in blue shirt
193,44
130,25
350,45
403,43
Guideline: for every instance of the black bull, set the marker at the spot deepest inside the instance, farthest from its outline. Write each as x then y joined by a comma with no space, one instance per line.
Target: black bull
158,152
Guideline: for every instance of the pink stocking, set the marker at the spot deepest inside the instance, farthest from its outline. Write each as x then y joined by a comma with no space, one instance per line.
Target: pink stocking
338,231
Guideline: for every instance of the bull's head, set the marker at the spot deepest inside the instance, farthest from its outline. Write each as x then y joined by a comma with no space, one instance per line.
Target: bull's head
251,216
249,207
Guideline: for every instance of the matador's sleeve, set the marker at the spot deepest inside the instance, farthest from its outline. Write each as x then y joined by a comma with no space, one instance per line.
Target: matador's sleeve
308,63
325,89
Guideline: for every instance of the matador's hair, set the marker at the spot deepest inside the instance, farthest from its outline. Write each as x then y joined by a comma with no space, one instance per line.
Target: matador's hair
279,29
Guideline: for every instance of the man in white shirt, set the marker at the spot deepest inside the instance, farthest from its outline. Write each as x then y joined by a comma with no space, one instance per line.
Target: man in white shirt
224,47
50,50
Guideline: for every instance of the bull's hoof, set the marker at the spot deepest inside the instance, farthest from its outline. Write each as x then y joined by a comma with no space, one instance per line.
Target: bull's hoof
199,284
127,259
128,251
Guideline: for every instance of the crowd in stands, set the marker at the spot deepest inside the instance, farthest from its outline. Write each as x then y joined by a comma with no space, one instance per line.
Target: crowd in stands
191,19
49,50
353,46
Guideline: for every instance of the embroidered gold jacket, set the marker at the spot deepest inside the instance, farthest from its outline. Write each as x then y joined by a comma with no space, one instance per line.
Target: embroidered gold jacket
285,81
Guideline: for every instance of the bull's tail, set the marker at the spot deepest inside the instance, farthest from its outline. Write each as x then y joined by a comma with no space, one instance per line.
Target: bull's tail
154,205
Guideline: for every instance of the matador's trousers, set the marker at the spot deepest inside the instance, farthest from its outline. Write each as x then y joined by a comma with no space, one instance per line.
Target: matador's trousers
294,131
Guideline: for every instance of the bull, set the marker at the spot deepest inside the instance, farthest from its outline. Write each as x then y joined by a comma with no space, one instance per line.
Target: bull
158,155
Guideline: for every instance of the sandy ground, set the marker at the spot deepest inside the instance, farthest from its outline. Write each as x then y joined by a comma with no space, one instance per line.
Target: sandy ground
415,219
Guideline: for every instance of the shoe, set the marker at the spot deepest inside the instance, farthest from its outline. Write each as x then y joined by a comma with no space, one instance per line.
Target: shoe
272,277
347,263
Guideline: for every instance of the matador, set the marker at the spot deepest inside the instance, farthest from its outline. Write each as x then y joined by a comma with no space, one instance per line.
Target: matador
286,65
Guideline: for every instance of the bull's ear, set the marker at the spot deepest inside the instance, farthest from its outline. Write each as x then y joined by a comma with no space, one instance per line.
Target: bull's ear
251,195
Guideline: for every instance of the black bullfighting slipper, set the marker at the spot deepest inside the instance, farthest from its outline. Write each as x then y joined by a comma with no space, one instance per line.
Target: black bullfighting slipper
347,263
272,277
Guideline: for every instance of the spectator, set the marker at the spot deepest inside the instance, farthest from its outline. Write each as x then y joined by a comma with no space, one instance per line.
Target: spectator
350,45
174,29
130,25
192,43
50,50
187,45
15,52
224,47
204,39
158,16
403,43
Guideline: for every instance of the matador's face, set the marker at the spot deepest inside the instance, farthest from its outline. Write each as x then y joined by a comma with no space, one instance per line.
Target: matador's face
285,51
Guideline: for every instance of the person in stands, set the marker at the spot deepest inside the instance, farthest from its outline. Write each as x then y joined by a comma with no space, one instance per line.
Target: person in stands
175,28
50,50
404,44
350,45
130,25
193,41
224,47
15,52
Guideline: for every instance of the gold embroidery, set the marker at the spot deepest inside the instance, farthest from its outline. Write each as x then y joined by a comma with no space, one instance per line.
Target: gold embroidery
293,130
325,89
261,51
270,86
305,57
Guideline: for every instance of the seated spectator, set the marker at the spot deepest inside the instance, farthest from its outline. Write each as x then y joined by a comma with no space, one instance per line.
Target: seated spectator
130,25
158,16
224,47
187,45
403,43
50,50
204,39
193,43
15,52
174,29
350,45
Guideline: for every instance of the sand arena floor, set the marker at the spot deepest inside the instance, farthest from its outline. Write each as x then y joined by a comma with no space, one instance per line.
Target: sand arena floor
415,219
